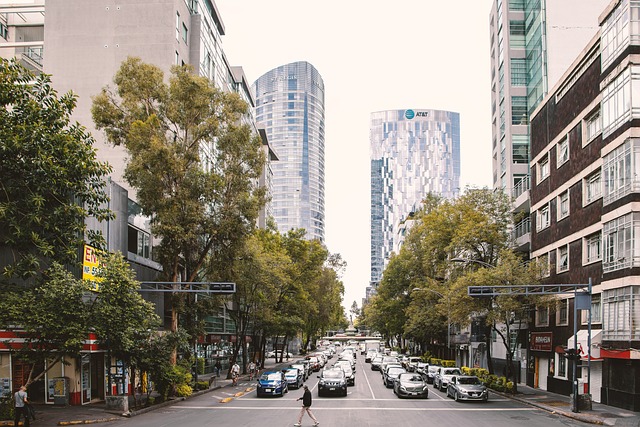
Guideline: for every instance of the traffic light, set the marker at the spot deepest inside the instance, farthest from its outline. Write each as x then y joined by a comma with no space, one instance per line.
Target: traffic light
571,354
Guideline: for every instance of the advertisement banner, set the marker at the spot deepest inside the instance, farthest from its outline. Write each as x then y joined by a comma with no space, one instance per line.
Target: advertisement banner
541,341
91,266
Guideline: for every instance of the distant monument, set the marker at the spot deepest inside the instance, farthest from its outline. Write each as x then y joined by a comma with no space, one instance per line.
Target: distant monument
351,331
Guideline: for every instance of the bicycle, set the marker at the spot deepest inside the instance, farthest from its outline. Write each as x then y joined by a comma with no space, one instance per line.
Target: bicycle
234,378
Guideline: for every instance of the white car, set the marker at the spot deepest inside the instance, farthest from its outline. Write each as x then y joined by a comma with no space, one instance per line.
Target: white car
442,378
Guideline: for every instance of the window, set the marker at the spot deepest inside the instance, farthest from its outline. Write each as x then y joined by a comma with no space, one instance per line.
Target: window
543,218
139,242
516,4
185,33
593,248
620,169
519,114
517,34
4,31
543,168
562,259
542,316
615,33
563,205
177,58
592,126
518,72
592,187
620,314
596,310
561,363
520,148
177,26
619,250
563,151
616,102
562,312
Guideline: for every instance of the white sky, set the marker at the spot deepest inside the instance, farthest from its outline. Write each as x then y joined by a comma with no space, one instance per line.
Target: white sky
373,55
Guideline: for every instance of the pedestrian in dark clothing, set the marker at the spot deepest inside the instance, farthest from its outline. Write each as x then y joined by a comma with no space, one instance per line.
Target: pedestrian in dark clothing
306,406
218,368
21,402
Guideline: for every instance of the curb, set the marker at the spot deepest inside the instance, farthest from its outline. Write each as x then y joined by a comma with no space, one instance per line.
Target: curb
574,415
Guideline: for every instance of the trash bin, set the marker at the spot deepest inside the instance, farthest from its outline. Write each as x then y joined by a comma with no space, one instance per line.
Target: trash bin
61,391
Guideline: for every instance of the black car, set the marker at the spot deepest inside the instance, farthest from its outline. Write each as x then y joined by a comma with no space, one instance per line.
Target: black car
392,374
332,381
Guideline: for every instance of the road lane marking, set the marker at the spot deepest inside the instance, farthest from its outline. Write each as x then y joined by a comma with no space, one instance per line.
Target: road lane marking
369,384
356,408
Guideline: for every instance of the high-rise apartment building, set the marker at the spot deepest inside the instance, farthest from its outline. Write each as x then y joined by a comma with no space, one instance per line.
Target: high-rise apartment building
532,44
413,153
290,107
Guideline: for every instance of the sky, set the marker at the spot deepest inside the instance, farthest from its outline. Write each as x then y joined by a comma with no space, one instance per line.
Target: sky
373,55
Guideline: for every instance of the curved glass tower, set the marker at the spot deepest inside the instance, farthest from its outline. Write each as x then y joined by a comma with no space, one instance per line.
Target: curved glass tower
290,106
413,153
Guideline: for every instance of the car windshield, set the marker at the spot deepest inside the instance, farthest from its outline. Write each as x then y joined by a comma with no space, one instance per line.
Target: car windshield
433,369
468,380
291,372
300,367
411,378
271,376
451,372
388,359
377,359
333,373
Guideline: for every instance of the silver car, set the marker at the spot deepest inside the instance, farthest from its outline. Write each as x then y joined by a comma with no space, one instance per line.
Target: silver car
443,376
467,387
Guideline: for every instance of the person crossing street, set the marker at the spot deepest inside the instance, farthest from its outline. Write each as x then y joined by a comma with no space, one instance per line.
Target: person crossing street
306,407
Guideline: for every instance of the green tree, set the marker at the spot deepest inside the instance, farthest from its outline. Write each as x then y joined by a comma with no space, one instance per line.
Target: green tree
50,180
51,317
192,162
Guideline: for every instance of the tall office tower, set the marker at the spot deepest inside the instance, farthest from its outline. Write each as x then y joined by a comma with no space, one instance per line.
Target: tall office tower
533,42
290,106
413,153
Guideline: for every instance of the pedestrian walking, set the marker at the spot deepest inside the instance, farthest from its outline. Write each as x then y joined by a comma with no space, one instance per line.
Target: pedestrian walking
21,402
217,367
306,406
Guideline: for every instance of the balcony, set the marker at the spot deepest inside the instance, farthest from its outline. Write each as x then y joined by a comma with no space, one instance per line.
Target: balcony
520,194
521,233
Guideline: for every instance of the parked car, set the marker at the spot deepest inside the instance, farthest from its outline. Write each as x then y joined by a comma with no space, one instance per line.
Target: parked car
411,385
467,387
272,383
392,374
348,372
332,381
294,376
376,362
432,371
443,376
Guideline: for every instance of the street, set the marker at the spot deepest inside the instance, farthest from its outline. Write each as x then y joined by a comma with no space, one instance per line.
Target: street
369,403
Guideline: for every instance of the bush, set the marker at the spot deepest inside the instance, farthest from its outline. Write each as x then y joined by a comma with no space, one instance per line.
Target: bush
6,407
201,385
184,390
200,365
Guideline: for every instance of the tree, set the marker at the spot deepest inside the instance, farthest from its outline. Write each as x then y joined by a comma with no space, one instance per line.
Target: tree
51,318
50,180
193,163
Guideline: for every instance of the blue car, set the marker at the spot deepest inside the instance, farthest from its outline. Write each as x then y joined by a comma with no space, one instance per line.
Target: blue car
272,383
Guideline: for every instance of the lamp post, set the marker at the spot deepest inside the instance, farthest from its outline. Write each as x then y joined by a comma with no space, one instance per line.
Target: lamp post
448,311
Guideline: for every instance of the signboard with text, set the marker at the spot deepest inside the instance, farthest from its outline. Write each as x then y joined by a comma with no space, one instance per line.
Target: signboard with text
541,341
91,265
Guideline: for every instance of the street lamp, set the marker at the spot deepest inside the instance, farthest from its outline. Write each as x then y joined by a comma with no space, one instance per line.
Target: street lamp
448,311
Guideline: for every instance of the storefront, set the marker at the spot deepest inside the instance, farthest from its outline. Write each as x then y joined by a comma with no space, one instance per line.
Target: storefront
540,362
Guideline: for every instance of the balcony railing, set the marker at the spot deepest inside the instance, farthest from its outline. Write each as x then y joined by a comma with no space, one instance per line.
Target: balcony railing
523,185
522,228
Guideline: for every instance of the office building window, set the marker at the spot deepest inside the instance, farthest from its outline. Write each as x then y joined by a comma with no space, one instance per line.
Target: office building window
185,34
543,168
615,31
562,312
543,218
592,126
619,248
542,316
562,150
592,186
516,4
518,72
516,34
593,248
563,205
621,169
562,259
519,114
177,25
618,105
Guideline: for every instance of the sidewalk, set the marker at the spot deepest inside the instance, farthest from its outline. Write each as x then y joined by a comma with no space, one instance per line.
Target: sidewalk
51,416
559,404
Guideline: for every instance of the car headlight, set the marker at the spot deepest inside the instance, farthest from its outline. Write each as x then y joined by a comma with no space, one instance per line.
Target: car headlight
321,382
403,388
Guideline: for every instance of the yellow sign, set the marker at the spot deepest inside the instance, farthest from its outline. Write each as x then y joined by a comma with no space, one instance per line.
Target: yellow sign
91,265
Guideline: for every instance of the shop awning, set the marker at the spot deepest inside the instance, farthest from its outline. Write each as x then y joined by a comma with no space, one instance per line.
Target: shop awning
583,343
630,353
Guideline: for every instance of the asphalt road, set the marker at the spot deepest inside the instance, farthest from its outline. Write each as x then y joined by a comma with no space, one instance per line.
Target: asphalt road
368,403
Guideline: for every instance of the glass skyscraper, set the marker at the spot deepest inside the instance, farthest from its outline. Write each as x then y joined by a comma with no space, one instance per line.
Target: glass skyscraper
290,107
413,153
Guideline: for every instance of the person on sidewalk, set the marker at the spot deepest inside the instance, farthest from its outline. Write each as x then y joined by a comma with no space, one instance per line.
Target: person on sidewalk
21,401
306,406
